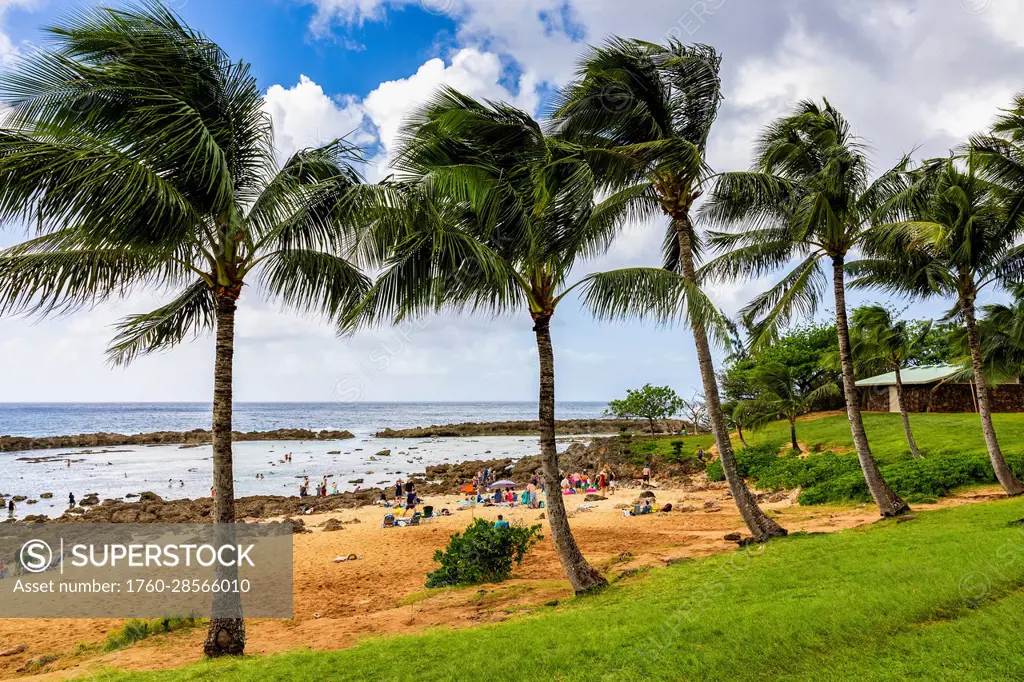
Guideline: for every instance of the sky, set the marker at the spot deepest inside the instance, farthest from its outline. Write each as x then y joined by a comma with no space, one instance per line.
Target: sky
911,76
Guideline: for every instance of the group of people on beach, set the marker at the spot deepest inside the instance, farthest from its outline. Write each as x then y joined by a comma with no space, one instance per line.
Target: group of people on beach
321,488
576,483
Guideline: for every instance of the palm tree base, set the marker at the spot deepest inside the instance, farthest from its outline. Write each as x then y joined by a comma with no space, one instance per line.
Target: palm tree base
226,637
898,508
588,581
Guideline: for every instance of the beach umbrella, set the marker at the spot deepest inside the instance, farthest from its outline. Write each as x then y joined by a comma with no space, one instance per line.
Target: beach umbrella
501,484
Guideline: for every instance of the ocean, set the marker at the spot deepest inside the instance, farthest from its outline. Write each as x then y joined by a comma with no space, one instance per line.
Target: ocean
60,419
174,472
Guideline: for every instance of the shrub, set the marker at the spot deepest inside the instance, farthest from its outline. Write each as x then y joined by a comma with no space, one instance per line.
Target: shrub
830,478
751,462
482,554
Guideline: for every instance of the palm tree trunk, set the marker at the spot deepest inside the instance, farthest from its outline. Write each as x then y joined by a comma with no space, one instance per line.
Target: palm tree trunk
1004,474
905,417
739,433
652,425
889,503
760,526
226,635
582,576
792,434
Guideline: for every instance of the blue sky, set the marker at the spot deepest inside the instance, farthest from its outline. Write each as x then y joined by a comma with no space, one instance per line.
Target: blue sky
908,73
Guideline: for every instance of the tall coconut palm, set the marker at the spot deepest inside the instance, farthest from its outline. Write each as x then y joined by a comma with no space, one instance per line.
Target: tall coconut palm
781,394
807,198
954,241
655,104
881,339
490,214
144,158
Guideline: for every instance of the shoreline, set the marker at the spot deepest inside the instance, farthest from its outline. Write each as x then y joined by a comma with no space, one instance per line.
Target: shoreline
563,427
194,437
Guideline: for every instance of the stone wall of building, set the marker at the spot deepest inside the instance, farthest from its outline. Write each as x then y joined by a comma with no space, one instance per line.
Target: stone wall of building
947,398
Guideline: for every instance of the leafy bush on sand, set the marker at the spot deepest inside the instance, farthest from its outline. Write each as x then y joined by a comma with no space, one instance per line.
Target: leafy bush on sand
483,553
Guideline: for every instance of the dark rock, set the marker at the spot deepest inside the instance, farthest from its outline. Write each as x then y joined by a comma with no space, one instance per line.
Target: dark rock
150,497
905,518
593,497
46,496
733,537
197,436
332,525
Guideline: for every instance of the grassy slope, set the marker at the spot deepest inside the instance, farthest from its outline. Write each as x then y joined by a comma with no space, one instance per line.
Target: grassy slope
937,598
936,434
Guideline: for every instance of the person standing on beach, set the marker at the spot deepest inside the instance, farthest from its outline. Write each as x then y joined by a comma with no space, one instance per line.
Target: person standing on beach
646,475
398,492
10,507
71,500
410,502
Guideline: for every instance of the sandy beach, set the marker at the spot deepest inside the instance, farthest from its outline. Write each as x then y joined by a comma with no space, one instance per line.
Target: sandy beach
337,604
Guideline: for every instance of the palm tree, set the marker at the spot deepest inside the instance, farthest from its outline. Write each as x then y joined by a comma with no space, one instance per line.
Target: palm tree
655,105
490,214
1001,336
781,394
145,158
880,339
807,198
953,240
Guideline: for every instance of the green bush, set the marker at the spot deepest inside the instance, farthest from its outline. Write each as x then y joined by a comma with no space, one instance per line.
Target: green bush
482,554
830,478
750,461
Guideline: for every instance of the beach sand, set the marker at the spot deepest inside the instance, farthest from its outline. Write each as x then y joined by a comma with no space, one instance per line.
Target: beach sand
383,592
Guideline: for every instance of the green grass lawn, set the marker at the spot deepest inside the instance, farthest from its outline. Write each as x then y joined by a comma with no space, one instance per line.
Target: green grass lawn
940,597
936,434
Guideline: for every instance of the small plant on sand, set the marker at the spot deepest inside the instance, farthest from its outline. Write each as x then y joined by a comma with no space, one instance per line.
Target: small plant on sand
484,553
136,630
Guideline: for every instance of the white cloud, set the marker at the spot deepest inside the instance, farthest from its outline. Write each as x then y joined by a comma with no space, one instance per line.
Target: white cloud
305,116
8,49
471,71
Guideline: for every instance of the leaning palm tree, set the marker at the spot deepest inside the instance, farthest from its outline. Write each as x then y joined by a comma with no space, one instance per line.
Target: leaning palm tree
808,198
144,158
953,239
655,105
879,338
490,214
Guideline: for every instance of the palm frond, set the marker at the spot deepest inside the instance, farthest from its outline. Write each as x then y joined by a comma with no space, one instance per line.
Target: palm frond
190,314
